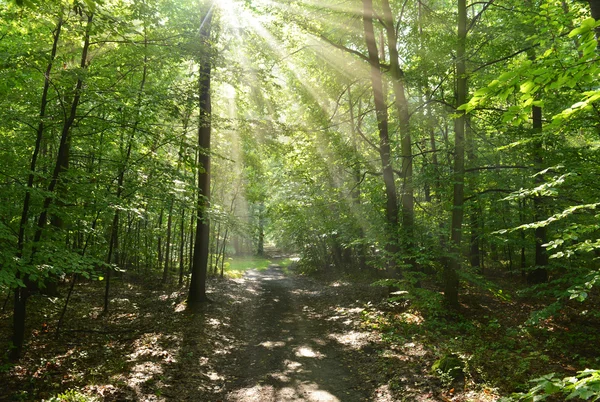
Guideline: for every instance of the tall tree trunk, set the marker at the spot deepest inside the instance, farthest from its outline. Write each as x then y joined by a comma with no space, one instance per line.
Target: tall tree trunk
474,249
197,293
540,272
260,248
215,247
113,242
39,137
360,249
401,102
182,246
391,209
451,282
22,294
595,12
159,245
168,244
222,253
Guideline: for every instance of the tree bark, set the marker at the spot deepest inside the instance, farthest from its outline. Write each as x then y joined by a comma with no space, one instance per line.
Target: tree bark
391,210
113,243
540,272
451,282
168,244
181,246
197,292
401,102
22,294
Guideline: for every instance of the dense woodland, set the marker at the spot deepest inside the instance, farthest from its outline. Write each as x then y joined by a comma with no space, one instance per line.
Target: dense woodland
447,150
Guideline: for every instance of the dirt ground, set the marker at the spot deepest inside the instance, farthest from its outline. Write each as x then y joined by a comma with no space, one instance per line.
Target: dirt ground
266,337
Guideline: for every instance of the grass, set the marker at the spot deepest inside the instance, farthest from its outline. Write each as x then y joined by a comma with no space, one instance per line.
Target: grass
246,263
236,266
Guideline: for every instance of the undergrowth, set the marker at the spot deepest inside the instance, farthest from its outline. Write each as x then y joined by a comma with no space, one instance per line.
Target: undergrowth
493,334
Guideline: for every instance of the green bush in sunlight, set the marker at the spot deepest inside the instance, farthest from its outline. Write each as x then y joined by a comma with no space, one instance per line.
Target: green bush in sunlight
585,385
72,395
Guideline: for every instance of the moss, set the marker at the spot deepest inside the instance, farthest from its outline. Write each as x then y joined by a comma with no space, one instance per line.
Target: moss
449,368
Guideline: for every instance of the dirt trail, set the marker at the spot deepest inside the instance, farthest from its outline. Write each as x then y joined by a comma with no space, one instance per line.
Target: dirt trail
291,352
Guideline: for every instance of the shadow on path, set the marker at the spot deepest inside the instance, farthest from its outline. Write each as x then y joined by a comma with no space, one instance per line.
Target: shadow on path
289,354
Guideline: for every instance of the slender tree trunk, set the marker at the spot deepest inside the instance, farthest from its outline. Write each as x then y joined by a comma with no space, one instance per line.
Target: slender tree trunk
182,246
114,231
38,141
159,245
384,141
523,264
360,249
595,12
540,272
21,294
451,281
223,251
215,248
401,102
191,241
197,293
74,277
168,244
260,249
474,252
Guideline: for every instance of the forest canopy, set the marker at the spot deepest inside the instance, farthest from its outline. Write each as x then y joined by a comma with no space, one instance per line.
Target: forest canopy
438,146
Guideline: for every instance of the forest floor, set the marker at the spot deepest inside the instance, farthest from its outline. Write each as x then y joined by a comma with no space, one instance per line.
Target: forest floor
268,336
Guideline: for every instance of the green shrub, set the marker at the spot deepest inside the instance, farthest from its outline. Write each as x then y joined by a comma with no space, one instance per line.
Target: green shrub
585,385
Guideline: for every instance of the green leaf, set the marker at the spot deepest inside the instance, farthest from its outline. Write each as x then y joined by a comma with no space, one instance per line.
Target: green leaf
91,5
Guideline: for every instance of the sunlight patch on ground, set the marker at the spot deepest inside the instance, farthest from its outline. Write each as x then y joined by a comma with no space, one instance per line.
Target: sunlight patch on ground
267,393
292,365
414,349
353,339
213,376
312,393
382,393
148,346
307,351
272,345
180,307
213,322
103,390
142,372
281,377
305,292
409,318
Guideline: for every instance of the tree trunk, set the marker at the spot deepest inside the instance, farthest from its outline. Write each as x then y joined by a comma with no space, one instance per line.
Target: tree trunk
391,209
168,244
539,273
21,294
38,141
113,246
260,248
159,245
401,102
474,249
197,293
451,281
181,246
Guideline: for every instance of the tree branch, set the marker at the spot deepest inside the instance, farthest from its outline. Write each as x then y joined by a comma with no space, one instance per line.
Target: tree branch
490,190
475,169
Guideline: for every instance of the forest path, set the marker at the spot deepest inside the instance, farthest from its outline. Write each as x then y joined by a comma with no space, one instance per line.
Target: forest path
292,351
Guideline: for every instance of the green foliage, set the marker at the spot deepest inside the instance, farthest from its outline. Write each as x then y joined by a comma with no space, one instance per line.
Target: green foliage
585,386
246,263
72,395
449,369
